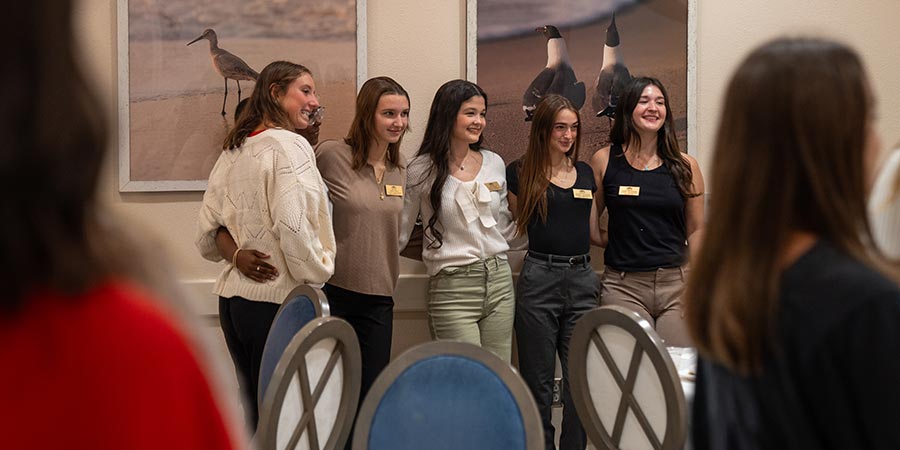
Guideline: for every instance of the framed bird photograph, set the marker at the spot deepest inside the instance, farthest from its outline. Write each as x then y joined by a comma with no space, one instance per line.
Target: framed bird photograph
584,50
184,65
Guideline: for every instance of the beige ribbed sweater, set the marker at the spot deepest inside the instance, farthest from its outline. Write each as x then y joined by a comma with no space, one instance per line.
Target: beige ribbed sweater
270,196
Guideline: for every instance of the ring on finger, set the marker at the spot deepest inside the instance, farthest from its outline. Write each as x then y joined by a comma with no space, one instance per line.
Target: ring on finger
257,269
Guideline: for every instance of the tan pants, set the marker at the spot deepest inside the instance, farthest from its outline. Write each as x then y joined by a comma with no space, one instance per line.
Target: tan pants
655,295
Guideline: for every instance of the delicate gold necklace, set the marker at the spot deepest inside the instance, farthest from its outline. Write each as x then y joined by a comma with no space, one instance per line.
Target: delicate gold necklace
379,180
461,168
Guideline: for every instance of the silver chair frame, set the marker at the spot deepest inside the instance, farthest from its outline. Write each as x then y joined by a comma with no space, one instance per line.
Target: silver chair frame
294,362
648,342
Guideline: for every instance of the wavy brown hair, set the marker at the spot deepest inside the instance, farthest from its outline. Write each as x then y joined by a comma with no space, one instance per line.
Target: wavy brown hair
534,172
787,158
624,133
263,106
362,128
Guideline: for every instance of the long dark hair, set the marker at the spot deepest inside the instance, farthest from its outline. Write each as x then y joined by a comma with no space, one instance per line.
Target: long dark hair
624,133
362,128
263,106
55,141
436,145
798,166
534,173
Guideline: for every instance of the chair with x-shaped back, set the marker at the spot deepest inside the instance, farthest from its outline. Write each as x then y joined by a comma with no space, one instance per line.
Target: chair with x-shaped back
313,396
624,385
303,304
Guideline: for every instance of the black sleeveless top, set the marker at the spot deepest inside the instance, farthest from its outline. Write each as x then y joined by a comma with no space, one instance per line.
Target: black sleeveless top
646,231
567,231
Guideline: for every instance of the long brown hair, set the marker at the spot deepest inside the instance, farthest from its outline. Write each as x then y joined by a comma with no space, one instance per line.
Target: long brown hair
436,144
787,158
263,106
534,172
624,133
362,128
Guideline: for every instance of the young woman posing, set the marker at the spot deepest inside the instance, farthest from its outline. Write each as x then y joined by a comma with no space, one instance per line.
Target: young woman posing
266,191
551,197
654,195
459,189
366,178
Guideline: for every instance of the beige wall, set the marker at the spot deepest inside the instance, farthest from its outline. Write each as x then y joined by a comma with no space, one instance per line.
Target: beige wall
422,44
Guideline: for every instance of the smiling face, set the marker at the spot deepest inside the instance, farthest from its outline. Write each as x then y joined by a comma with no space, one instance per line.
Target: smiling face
391,118
470,120
299,100
650,112
565,131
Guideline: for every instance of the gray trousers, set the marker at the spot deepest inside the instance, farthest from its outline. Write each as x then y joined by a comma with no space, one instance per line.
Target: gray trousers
550,298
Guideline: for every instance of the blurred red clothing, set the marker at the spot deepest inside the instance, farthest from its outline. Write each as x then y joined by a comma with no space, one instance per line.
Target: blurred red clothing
107,370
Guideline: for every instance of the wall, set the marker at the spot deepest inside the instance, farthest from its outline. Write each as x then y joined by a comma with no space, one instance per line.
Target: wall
422,44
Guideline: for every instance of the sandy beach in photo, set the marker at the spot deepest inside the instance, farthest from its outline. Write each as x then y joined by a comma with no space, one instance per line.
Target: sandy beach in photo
176,98
653,43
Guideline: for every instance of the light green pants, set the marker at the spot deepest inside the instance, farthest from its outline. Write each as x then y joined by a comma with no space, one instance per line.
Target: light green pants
474,303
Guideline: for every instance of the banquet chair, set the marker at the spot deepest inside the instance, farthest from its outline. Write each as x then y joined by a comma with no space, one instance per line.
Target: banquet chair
448,395
301,306
314,393
624,384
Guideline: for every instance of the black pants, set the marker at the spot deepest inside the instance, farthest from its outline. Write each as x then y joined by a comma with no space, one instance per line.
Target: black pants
550,298
246,324
372,317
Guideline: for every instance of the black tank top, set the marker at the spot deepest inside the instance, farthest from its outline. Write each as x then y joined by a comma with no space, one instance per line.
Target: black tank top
646,231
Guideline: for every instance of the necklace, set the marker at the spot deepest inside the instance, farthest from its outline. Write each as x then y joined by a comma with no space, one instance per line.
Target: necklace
379,180
461,168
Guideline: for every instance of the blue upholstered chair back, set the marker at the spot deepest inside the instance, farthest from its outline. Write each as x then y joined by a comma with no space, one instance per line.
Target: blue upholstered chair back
301,306
448,395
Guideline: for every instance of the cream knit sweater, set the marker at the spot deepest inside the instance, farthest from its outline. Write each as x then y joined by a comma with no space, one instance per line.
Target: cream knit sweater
270,196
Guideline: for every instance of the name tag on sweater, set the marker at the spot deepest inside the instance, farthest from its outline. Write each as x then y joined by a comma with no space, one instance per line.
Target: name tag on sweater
630,191
393,190
583,193
493,186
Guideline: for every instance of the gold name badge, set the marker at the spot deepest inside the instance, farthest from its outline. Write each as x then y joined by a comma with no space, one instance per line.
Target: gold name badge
583,193
493,186
393,190
631,191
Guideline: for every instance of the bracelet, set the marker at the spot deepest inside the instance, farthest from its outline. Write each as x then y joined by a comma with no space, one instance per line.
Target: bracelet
234,257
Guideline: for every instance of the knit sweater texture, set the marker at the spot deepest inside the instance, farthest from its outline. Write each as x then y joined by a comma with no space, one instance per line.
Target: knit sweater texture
271,197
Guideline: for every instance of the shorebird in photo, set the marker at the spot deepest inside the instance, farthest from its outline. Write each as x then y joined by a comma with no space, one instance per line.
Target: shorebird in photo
557,78
227,64
613,75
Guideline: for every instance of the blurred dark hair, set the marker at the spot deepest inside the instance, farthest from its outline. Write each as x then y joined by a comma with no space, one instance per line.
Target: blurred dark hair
55,142
795,166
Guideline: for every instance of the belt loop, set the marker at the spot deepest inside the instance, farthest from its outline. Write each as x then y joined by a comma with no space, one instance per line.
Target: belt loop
681,268
622,275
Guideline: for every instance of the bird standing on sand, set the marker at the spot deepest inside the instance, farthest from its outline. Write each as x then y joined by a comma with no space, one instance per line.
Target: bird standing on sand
227,64
557,78
613,75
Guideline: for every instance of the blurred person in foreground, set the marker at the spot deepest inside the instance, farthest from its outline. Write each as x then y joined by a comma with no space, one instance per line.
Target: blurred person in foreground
790,304
91,359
